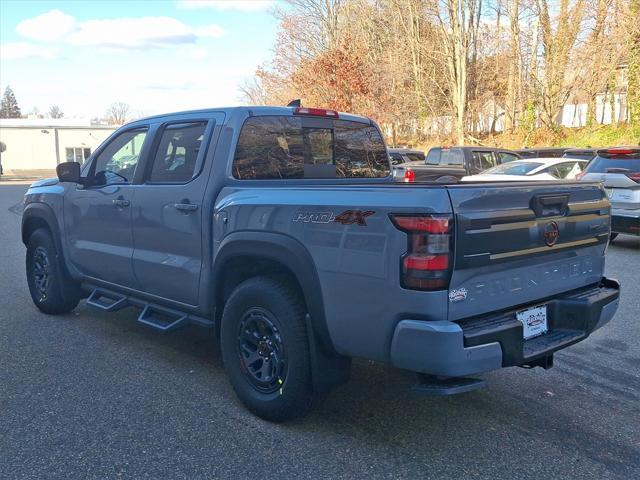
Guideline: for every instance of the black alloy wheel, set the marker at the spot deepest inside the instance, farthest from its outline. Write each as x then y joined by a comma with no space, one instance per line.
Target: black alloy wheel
40,272
261,350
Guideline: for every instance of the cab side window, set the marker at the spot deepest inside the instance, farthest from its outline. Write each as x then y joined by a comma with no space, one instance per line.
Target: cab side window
482,160
177,154
506,157
117,162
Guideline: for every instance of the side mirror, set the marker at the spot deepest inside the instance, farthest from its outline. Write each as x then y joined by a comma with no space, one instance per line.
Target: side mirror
69,172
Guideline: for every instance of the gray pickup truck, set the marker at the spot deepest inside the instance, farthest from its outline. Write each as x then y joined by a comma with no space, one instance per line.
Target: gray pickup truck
282,230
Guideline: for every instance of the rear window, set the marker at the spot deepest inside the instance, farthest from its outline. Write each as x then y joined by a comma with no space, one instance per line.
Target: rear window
445,156
177,153
396,158
520,168
579,155
279,147
415,157
601,164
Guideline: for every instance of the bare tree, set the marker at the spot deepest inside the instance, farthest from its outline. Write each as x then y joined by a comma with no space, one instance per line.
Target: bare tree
633,49
514,86
458,21
555,83
320,20
118,113
55,112
253,91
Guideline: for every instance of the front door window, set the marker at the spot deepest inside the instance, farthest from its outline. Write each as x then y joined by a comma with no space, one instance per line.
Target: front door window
117,162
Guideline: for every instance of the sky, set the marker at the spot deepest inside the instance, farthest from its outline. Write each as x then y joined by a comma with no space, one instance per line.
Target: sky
157,56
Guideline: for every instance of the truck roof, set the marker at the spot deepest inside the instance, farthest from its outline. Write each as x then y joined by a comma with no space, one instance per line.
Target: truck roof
476,148
251,111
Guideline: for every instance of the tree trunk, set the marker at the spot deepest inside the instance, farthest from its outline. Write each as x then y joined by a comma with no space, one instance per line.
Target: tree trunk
514,68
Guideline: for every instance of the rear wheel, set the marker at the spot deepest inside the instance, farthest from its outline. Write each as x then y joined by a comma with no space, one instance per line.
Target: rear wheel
52,289
265,349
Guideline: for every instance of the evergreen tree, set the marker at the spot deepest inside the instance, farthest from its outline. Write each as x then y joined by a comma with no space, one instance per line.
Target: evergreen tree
9,105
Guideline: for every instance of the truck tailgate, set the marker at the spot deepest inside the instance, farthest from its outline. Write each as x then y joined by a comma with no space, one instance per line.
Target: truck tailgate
516,243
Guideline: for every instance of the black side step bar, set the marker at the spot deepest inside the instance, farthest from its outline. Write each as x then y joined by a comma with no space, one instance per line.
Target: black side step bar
155,316
436,386
107,301
162,319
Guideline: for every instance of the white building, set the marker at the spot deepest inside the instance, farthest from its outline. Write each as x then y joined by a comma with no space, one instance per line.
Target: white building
41,144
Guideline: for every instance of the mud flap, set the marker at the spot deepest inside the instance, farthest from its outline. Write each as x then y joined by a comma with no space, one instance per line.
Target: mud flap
327,371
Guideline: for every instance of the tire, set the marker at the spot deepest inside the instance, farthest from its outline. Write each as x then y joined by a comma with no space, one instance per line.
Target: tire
613,236
52,289
265,349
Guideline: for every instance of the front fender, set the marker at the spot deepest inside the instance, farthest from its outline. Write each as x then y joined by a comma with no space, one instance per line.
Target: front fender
38,214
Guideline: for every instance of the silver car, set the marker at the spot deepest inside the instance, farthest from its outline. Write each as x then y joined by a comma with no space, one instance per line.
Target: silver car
619,170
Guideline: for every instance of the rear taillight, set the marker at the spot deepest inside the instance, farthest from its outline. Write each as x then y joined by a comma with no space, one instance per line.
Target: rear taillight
409,176
635,176
427,264
621,151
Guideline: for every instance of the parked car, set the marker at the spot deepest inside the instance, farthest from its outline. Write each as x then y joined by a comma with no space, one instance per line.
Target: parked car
281,229
405,155
619,170
543,152
450,164
581,153
534,169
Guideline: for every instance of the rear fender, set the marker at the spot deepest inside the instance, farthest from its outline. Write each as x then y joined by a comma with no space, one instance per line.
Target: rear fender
291,254
328,367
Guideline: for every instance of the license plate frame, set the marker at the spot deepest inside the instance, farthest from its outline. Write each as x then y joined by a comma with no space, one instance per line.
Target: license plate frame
535,321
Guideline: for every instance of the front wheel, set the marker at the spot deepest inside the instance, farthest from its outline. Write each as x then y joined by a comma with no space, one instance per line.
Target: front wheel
265,349
52,289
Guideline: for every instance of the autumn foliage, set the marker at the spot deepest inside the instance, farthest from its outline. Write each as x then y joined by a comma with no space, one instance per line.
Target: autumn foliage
339,79
466,68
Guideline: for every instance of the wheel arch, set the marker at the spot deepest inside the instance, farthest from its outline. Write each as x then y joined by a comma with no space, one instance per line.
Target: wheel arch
242,255
40,215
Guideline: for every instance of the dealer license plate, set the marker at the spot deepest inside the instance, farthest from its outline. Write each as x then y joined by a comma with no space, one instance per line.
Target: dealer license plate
534,321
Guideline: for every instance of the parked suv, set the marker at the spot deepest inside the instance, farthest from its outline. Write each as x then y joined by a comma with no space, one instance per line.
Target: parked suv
282,230
619,170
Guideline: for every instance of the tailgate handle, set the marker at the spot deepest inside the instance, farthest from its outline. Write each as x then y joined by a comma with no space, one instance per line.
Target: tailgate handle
550,205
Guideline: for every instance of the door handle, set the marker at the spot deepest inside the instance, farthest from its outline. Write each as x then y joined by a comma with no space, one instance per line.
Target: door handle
550,205
121,202
186,207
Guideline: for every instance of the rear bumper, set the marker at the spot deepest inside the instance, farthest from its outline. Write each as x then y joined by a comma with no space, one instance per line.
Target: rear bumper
625,221
489,342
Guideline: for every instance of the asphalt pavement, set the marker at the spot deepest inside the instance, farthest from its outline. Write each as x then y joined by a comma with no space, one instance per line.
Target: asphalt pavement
95,395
